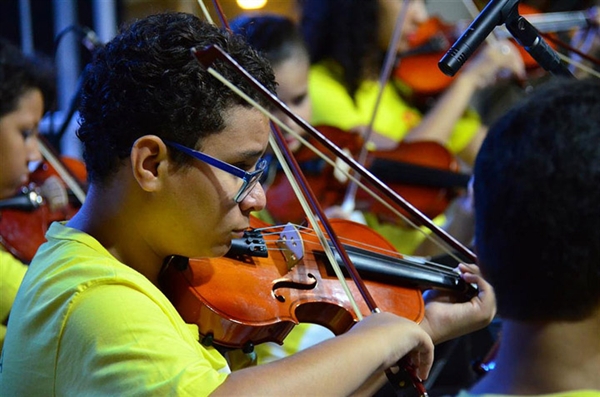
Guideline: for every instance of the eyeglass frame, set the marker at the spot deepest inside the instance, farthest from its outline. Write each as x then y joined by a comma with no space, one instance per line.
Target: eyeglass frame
250,179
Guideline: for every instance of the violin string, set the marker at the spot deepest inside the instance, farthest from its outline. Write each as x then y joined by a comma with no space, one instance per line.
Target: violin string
401,261
312,218
417,262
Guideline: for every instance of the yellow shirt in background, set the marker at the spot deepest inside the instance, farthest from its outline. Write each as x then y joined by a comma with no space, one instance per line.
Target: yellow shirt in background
12,271
333,106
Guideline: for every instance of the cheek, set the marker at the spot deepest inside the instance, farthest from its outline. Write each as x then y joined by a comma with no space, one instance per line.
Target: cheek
13,168
197,217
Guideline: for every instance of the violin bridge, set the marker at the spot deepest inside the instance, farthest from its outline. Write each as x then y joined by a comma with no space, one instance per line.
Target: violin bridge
291,244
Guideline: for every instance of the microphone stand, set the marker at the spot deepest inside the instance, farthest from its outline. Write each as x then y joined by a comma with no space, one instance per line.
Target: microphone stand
528,37
496,13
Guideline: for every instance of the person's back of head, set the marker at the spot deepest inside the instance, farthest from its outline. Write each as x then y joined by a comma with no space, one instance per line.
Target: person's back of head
536,204
20,73
147,82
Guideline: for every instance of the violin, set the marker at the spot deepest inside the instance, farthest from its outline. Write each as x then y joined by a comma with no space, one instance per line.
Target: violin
418,67
22,227
425,173
282,274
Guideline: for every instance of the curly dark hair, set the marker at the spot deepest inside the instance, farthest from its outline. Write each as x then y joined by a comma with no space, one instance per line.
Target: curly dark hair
20,73
536,204
276,37
146,81
344,31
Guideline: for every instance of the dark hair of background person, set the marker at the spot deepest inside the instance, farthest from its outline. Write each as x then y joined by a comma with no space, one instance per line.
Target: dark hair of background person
536,204
344,31
276,37
20,73
158,87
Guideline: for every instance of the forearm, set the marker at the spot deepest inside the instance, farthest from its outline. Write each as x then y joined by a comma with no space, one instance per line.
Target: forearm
438,124
340,366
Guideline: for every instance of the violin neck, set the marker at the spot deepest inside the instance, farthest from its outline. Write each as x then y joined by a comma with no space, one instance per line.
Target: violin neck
397,271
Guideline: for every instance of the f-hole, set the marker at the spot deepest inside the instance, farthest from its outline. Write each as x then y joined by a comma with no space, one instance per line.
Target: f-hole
289,284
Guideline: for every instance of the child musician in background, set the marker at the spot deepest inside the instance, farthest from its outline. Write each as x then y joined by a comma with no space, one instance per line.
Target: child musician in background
26,91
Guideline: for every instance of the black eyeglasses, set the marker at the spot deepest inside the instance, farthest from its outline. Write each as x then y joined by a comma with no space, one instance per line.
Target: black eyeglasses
250,179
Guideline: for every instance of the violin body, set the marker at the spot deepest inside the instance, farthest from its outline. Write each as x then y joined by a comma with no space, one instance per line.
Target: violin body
430,185
22,231
274,295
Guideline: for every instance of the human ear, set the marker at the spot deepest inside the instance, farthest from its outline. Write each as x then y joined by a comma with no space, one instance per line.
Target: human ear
148,161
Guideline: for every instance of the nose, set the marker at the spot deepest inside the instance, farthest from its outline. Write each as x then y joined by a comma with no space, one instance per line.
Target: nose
256,200
33,150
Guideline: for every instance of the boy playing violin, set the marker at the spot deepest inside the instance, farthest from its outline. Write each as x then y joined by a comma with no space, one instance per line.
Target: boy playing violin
90,310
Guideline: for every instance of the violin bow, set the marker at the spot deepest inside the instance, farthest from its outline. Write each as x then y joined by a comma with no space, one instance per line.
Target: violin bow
390,59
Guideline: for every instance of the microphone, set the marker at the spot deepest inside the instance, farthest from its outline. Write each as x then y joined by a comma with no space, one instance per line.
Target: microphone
495,13
51,192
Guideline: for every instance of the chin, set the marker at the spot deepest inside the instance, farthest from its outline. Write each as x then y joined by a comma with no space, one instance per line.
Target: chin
220,250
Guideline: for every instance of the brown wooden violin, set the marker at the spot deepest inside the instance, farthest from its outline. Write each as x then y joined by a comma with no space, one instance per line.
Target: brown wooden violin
281,277
425,173
24,219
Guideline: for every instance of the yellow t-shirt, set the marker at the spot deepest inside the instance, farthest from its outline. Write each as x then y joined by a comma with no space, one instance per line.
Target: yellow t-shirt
333,106
12,272
85,324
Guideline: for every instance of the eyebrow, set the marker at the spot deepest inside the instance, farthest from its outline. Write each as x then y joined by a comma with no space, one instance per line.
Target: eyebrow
253,154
